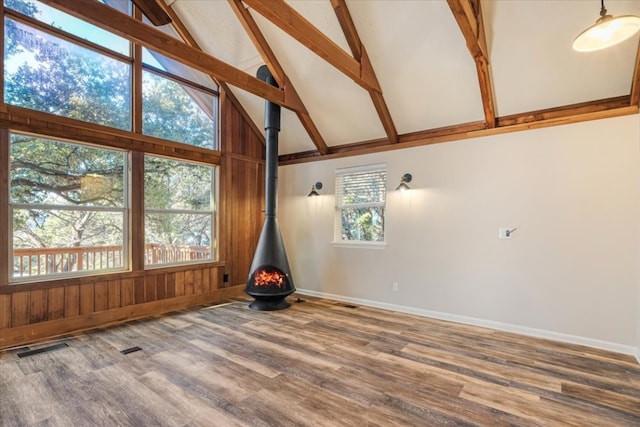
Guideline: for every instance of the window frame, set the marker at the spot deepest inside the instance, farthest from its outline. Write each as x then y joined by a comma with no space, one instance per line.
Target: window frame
212,215
124,210
338,241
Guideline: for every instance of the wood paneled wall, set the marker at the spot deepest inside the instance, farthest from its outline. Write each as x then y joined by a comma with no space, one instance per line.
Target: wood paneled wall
242,172
37,311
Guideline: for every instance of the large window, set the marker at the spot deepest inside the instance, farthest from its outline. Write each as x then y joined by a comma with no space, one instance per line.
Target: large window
67,206
360,205
178,211
70,209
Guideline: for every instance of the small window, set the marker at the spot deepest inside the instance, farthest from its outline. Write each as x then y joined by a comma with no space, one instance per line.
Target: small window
68,208
178,198
360,205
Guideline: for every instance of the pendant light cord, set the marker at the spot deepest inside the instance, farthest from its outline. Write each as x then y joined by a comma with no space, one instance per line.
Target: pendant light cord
603,11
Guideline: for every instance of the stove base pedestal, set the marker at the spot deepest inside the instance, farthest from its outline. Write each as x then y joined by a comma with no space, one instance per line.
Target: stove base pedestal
269,304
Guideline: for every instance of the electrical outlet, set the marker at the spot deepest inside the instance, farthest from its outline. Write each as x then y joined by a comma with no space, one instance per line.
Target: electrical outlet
395,286
506,233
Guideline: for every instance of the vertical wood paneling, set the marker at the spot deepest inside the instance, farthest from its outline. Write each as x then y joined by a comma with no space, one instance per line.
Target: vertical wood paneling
206,279
87,298
161,286
72,300
5,311
138,290
213,282
127,293
20,308
114,293
171,285
101,296
55,303
197,281
150,288
179,283
188,282
38,306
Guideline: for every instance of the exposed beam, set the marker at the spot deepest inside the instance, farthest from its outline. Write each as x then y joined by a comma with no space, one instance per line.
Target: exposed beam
348,27
259,41
154,11
635,82
360,54
287,19
575,113
468,15
110,19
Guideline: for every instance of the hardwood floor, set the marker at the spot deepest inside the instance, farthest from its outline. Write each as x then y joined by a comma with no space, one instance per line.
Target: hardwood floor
319,363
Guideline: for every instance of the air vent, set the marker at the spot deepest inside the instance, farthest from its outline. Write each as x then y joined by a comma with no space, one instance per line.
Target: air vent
43,349
130,350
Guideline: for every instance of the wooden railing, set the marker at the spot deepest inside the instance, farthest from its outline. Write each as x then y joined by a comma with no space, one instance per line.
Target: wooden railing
38,261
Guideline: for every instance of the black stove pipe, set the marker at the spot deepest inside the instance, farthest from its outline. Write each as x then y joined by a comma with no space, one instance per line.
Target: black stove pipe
272,128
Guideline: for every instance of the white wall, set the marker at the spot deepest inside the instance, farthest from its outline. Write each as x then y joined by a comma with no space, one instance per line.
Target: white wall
570,271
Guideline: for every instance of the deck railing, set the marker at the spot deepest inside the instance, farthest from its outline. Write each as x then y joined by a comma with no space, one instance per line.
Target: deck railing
38,261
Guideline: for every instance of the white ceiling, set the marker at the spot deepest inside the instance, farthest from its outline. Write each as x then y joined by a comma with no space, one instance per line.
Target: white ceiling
420,58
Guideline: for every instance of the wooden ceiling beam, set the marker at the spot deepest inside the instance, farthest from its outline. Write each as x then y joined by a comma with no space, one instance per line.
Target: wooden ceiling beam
635,81
360,54
270,59
114,21
468,15
291,22
575,113
154,10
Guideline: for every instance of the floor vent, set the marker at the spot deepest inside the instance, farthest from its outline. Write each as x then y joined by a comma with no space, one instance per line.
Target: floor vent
130,350
342,304
43,349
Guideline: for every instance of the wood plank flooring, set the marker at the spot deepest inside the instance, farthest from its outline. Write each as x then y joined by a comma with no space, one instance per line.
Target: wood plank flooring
319,363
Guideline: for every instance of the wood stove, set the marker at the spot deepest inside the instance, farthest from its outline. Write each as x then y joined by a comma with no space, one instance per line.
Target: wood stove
270,281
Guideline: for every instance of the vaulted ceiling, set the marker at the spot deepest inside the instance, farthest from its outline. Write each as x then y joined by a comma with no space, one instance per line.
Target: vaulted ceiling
368,75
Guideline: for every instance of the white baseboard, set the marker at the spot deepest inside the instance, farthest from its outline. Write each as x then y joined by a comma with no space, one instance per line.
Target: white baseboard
538,333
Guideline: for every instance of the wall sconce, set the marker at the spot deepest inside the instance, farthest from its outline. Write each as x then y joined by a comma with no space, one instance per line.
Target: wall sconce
314,189
406,178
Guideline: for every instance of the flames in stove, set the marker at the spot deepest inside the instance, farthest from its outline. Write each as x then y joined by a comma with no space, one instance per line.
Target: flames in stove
269,277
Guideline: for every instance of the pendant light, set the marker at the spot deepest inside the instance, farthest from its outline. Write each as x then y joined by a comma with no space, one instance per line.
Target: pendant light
607,31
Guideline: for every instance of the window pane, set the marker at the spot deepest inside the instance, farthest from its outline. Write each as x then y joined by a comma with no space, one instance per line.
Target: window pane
65,241
178,112
70,24
67,206
45,73
172,238
363,224
178,211
48,172
176,185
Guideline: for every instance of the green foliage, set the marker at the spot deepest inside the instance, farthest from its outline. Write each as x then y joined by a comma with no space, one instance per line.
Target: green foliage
170,112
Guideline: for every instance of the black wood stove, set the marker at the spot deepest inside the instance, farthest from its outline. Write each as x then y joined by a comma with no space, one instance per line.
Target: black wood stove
270,281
